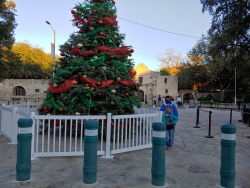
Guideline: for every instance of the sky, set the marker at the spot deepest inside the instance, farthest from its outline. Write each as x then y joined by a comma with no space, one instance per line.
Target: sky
183,17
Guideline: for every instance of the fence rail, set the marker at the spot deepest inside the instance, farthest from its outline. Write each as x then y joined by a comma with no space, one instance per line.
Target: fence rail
209,104
63,135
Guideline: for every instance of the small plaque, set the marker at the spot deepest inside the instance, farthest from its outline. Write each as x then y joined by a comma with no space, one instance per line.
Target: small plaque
36,90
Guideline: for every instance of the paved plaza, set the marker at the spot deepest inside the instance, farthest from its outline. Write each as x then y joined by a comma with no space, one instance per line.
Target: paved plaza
194,161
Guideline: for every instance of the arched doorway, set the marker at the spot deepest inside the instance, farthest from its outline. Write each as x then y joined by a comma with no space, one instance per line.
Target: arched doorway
140,95
187,97
19,91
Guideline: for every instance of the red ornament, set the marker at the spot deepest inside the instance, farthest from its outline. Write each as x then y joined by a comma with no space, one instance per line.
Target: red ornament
45,108
62,54
131,50
101,33
117,34
113,2
111,56
80,31
126,94
99,94
70,91
94,11
91,28
54,70
73,12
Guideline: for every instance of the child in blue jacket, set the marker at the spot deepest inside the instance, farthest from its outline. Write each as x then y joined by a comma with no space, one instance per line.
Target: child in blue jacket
170,119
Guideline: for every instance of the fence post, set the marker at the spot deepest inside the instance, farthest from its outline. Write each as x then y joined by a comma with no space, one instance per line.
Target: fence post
228,143
231,115
209,130
2,114
197,118
33,134
108,138
28,107
160,116
14,126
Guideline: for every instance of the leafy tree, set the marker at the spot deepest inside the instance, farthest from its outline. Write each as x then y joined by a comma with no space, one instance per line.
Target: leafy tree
186,76
230,27
34,55
8,60
95,73
28,71
10,5
164,72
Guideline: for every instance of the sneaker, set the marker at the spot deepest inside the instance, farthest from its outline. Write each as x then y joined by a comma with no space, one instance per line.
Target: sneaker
166,148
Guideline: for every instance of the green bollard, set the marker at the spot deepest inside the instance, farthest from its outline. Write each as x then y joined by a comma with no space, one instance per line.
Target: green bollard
158,169
90,151
228,143
24,137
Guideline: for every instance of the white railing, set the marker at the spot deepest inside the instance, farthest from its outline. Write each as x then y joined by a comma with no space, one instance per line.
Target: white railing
146,109
63,135
132,132
9,118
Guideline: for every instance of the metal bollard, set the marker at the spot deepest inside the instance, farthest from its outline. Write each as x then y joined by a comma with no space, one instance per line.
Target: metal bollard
231,115
90,151
197,118
158,169
24,137
209,129
228,143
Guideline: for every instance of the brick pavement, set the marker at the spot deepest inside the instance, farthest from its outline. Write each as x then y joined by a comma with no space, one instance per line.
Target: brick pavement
194,160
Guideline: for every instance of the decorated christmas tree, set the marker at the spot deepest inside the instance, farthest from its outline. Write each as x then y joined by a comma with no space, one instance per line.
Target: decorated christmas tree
95,75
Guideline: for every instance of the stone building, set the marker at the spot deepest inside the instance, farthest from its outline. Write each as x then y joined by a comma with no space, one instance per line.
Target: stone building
23,88
153,84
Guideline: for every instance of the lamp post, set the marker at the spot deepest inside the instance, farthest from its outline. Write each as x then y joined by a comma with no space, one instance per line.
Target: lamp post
235,87
54,46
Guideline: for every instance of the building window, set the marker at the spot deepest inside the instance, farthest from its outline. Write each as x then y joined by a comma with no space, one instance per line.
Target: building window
36,90
165,80
166,90
140,79
19,91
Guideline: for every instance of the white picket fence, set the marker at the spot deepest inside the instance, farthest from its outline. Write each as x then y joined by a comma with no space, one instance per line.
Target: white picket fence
10,115
64,135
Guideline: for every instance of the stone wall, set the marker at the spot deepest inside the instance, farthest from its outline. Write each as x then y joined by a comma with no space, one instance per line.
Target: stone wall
8,85
171,86
154,85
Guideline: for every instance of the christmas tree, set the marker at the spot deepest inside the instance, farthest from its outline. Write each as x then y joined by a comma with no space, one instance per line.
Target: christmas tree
95,75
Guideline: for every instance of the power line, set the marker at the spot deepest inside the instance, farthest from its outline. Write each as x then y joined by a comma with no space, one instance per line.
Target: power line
158,29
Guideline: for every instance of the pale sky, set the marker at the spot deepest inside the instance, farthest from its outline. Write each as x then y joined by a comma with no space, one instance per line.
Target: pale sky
177,16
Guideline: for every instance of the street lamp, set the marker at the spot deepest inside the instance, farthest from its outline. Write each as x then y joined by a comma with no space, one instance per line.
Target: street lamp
54,46
235,87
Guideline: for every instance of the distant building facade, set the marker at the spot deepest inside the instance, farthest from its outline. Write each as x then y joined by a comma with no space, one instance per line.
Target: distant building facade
153,84
23,88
